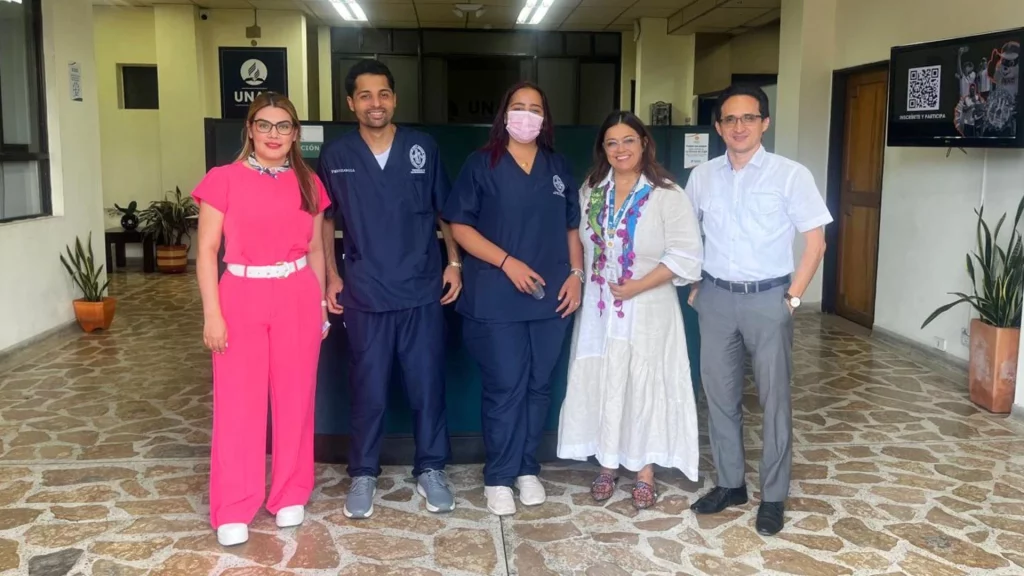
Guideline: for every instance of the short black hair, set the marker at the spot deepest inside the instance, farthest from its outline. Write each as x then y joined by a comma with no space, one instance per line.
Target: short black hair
754,92
367,66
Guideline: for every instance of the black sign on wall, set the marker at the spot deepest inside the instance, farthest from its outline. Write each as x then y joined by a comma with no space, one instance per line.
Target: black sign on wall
246,72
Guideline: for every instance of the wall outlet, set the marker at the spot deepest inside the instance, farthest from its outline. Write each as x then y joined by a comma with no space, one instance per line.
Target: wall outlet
940,343
965,337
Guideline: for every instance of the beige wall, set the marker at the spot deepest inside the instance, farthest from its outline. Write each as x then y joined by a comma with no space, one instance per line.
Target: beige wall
36,294
323,39
718,57
628,70
928,224
664,70
927,221
125,36
280,29
149,152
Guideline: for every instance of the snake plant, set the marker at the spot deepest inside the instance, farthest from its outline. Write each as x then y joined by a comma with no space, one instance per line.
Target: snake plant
81,265
997,275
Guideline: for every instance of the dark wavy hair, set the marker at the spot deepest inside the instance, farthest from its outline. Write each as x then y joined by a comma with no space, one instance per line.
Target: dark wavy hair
649,165
497,140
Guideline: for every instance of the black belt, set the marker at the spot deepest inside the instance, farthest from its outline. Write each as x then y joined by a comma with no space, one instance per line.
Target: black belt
747,287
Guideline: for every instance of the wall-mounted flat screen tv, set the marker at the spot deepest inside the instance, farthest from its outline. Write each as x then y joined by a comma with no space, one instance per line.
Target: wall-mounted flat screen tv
961,93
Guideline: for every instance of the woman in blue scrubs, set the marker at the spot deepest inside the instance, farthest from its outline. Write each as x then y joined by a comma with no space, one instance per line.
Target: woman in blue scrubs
515,209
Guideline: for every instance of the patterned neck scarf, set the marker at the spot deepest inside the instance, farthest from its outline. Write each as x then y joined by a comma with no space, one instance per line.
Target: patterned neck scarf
271,171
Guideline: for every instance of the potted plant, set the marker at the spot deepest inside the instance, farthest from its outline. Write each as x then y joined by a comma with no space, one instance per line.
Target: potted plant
169,223
997,281
93,310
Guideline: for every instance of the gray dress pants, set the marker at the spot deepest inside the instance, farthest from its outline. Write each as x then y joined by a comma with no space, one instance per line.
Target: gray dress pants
731,324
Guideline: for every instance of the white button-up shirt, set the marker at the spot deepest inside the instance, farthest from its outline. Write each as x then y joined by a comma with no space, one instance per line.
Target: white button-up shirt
750,216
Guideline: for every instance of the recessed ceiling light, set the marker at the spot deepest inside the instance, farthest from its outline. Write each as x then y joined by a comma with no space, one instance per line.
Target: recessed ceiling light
524,14
349,10
541,11
538,9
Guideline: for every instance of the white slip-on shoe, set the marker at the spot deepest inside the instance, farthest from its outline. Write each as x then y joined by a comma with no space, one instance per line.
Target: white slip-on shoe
531,491
290,516
499,500
232,534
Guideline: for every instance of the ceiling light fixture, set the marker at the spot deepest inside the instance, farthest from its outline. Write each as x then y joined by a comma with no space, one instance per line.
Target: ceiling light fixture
541,11
538,14
349,10
524,14
461,10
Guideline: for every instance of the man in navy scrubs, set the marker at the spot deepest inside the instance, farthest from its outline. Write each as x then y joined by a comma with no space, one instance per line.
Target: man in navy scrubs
387,187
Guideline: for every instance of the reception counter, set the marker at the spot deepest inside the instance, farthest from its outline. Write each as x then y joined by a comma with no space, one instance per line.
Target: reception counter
462,392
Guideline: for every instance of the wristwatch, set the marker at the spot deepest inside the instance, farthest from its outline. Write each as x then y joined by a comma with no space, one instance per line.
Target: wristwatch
793,300
455,264
579,274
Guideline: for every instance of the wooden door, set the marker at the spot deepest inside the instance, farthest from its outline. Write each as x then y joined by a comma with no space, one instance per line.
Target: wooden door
861,195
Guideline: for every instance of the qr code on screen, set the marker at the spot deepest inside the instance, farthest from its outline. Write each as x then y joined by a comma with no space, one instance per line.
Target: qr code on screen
923,88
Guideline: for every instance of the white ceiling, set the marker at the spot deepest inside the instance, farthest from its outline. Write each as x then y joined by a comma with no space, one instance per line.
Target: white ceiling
684,16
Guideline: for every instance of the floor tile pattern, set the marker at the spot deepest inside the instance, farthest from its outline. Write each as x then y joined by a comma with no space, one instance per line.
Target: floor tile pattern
104,440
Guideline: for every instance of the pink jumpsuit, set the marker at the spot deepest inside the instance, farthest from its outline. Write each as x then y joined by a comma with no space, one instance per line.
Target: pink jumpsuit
273,336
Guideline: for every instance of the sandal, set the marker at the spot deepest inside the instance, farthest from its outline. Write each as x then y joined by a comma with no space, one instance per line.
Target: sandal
644,495
603,487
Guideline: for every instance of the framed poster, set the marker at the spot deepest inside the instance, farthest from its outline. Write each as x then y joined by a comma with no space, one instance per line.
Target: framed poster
246,72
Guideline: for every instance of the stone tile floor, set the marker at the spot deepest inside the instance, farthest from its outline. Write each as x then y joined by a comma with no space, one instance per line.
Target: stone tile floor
103,470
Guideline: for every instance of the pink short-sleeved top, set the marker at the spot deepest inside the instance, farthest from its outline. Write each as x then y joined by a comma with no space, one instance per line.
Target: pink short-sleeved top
264,222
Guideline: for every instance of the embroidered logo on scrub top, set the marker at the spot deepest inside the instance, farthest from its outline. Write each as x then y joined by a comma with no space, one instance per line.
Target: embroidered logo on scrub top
559,186
418,157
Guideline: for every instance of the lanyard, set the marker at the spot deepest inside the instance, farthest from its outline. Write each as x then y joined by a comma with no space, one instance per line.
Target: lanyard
609,231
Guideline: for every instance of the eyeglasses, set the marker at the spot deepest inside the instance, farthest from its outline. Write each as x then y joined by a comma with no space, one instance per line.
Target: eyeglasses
746,120
628,142
284,128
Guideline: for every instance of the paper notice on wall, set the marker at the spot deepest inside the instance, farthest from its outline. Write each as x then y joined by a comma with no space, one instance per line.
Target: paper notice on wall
75,81
695,150
312,133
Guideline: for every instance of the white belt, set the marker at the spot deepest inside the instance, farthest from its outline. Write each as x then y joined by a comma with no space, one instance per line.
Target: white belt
279,270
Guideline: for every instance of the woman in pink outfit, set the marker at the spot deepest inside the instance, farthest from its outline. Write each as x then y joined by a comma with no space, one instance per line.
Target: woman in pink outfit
264,319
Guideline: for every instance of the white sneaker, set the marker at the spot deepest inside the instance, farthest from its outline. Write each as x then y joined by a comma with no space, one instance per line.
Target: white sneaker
499,500
290,516
232,534
531,491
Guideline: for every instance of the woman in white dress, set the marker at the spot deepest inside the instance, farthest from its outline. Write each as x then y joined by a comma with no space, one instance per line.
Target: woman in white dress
630,399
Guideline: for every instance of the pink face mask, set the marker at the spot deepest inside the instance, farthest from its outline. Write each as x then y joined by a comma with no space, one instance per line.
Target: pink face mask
523,126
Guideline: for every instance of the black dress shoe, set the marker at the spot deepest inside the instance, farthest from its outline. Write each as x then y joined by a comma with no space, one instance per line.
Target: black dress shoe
719,499
770,518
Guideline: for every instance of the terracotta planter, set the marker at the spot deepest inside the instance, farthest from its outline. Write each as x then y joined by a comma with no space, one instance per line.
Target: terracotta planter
95,315
993,366
172,259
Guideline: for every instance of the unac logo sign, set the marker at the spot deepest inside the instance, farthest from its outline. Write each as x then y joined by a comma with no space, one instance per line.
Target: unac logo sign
254,73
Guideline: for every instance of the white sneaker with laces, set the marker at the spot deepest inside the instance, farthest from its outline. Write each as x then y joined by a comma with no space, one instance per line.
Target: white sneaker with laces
499,500
531,491
290,516
232,534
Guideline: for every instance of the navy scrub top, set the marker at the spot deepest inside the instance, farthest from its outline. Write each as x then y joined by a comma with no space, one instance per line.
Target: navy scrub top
388,218
526,215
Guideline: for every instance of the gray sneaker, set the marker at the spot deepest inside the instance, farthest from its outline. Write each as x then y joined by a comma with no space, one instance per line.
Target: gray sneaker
433,486
359,502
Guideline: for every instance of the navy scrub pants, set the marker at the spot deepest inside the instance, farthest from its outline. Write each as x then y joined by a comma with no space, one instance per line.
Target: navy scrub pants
415,337
516,362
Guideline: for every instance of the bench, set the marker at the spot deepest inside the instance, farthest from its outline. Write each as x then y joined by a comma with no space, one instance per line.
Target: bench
119,237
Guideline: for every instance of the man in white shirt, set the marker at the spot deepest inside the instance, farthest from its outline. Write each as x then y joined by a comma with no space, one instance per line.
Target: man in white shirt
751,203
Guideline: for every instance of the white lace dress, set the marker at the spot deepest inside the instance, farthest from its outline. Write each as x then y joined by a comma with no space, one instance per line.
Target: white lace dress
630,398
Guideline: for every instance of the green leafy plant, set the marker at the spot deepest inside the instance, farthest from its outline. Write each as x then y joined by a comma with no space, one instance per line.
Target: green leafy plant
997,276
168,221
81,265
